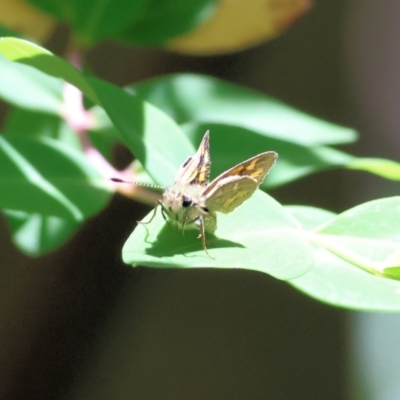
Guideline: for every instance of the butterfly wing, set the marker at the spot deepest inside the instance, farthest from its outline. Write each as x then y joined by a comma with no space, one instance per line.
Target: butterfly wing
196,169
230,192
255,167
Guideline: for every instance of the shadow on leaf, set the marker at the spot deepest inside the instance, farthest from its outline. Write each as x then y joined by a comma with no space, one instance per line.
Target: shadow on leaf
170,242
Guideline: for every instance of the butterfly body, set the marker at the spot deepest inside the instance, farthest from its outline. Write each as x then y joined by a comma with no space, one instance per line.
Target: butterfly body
192,201
185,206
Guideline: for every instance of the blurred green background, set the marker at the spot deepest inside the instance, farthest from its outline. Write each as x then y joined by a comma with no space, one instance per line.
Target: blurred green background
78,324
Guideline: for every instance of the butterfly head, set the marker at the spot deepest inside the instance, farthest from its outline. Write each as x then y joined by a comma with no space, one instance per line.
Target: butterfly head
182,204
176,200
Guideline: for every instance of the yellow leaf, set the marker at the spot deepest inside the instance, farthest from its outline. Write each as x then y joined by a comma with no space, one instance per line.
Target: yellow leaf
239,24
25,19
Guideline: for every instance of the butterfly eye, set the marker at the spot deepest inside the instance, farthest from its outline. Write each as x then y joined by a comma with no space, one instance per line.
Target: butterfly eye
186,201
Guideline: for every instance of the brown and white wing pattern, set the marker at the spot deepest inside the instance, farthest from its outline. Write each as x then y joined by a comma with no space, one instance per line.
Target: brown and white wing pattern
255,167
229,193
196,169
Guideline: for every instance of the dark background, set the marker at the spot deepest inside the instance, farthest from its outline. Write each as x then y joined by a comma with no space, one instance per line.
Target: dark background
79,324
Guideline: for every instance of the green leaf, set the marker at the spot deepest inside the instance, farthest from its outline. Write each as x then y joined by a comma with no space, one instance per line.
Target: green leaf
21,122
102,134
385,168
310,217
29,88
394,261
105,136
36,234
47,177
296,160
393,272
337,282
259,236
366,235
216,101
93,20
171,17
35,56
33,124
147,129
155,139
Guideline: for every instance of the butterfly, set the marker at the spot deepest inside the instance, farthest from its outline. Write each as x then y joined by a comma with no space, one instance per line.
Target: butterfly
192,201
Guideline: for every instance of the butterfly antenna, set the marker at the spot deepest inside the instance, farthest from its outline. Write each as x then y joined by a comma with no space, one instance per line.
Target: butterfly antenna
151,185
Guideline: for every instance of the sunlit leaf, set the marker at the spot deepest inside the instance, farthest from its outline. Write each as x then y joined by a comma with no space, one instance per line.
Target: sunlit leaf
259,235
340,283
29,88
154,138
366,235
220,102
47,177
385,168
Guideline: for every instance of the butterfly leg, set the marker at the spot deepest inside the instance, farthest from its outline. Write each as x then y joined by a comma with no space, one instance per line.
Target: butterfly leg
154,214
163,212
184,219
202,235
